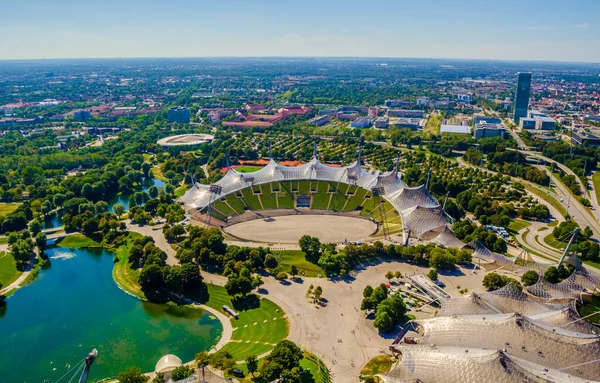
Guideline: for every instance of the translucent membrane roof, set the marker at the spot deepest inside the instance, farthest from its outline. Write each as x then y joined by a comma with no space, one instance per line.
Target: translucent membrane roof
441,364
420,212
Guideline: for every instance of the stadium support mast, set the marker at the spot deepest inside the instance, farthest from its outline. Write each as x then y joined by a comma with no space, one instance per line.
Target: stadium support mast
270,153
359,154
427,182
397,163
227,161
89,360
575,232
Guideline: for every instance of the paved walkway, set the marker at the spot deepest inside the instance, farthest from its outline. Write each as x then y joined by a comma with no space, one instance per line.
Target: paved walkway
17,283
159,239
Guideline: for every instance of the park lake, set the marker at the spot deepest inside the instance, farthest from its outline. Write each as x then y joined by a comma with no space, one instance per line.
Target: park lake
74,305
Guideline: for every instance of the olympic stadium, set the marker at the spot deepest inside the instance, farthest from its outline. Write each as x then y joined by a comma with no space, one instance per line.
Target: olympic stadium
315,188
186,140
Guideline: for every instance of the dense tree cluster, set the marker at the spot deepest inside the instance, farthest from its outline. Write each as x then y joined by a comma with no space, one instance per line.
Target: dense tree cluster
389,310
468,231
495,281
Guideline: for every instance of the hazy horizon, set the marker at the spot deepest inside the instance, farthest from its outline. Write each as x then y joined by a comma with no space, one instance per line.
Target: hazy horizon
508,31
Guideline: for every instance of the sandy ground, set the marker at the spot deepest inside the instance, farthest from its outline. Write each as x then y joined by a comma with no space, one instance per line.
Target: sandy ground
338,331
289,229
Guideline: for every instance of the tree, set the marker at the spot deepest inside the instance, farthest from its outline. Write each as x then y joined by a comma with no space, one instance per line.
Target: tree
551,275
202,359
281,275
433,275
153,191
367,292
389,275
318,293
285,357
35,227
151,277
118,209
181,373
311,247
530,278
146,168
22,250
383,322
495,281
293,271
398,275
40,241
252,364
132,375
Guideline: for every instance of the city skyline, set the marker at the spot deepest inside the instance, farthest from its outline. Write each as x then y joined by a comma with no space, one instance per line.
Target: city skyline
386,29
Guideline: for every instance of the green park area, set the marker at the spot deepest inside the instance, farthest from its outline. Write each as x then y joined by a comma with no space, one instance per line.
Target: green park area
77,241
7,208
378,365
517,225
8,269
315,371
289,258
596,181
123,274
548,198
592,309
260,325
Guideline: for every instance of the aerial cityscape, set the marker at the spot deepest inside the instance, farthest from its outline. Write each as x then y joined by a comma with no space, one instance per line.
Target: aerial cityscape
343,211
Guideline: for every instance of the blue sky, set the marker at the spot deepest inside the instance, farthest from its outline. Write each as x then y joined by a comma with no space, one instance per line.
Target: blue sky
561,30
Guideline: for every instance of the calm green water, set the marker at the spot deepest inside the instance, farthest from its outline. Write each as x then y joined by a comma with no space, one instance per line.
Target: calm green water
75,306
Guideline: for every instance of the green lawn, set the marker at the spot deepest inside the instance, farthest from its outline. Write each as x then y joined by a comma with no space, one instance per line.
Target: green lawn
77,241
123,274
553,242
287,258
518,224
251,335
236,204
8,269
251,199
553,223
548,198
267,197
247,169
224,208
378,365
318,371
433,124
7,208
180,191
596,181
590,308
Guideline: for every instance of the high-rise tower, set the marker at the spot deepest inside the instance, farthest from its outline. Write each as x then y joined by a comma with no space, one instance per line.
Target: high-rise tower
522,96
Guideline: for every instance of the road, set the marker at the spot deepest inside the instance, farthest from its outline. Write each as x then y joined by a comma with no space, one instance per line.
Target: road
159,239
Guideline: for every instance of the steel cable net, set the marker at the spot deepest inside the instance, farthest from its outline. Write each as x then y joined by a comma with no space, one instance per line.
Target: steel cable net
435,364
407,198
508,299
420,220
492,261
520,337
446,238
569,288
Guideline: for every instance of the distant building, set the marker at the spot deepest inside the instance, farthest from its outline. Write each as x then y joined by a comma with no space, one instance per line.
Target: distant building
527,123
179,114
423,101
581,137
486,119
522,94
347,116
382,122
410,123
544,123
592,118
82,115
361,122
319,120
536,113
466,98
406,113
394,103
484,130
455,129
